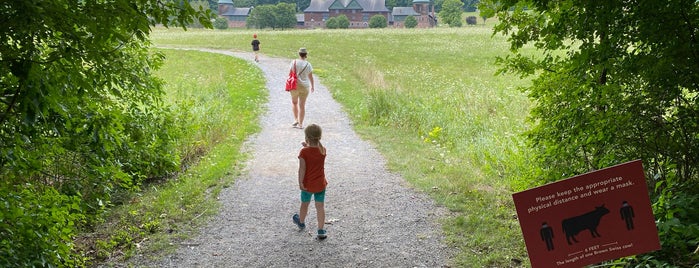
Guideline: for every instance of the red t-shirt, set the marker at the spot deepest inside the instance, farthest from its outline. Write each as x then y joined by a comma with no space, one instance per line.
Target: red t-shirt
314,179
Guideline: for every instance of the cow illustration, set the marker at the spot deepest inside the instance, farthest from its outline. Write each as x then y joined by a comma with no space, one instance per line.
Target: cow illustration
590,221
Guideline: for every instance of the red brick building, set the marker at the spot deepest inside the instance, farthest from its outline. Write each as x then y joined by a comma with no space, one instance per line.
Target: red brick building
357,11
421,10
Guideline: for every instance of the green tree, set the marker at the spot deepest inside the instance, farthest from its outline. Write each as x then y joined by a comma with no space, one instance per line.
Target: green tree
451,13
486,10
438,5
471,5
279,16
81,116
616,82
285,14
261,17
343,22
410,22
390,4
331,23
378,21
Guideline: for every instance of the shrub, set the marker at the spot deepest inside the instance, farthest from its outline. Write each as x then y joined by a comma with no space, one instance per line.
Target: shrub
378,21
471,20
343,22
410,22
331,23
37,227
221,23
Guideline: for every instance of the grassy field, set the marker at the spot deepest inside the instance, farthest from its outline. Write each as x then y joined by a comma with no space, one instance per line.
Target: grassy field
429,93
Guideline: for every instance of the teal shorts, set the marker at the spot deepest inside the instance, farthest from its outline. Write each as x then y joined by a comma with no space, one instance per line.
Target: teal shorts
318,197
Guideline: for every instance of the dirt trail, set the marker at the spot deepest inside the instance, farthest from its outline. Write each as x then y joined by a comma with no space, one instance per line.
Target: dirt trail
377,219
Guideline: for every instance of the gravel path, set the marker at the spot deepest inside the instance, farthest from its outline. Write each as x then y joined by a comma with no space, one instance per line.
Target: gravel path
375,218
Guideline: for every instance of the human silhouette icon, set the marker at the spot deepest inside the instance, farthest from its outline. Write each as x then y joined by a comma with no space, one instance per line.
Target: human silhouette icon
547,235
627,214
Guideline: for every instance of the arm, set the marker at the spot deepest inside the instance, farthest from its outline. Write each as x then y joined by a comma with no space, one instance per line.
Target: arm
302,173
310,78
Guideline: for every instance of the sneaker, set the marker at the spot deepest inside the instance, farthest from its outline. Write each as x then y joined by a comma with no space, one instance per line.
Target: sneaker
295,124
297,221
322,234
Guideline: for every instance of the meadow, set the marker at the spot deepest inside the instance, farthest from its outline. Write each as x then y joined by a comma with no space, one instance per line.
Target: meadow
430,101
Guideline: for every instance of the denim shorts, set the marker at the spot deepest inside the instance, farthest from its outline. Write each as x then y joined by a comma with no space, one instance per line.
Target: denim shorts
318,197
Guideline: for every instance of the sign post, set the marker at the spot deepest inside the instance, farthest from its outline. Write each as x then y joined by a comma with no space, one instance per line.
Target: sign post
587,219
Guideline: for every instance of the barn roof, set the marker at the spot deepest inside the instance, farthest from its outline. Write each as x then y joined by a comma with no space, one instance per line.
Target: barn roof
240,11
404,11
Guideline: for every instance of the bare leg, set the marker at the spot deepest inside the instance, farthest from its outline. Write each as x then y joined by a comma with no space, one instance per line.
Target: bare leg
301,110
295,107
303,211
320,209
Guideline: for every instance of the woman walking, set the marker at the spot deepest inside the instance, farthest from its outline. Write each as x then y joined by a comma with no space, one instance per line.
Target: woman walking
304,72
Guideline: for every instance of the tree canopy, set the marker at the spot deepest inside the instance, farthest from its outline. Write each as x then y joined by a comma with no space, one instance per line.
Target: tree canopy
618,81
451,13
279,16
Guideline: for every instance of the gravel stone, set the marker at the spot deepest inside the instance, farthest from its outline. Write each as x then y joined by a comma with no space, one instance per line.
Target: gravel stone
375,219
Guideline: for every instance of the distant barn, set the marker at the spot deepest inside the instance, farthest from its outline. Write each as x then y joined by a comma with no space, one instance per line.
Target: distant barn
357,11
421,10
236,16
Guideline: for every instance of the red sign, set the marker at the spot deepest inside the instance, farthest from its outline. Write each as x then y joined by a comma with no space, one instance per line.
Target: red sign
587,219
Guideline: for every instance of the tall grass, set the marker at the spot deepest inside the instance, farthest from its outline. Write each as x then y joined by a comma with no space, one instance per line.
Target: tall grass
217,111
429,100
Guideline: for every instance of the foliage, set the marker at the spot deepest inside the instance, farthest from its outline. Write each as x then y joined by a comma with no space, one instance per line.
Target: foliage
245,3
618,82
331,23
343,22
261,17
286,15
451,13
80,114
378,21
216,110
279,16
213,5
200,6
410,22
471,5
221,23
37,227
486,10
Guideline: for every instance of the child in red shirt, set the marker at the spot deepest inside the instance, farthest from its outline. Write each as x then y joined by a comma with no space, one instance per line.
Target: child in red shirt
312,178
